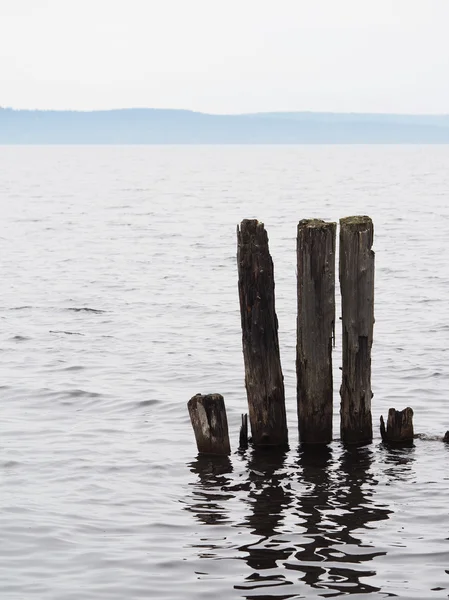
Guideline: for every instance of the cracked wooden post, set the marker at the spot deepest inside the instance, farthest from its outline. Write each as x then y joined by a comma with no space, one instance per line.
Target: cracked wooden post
315,329
399,428
263,373
210,424
357,302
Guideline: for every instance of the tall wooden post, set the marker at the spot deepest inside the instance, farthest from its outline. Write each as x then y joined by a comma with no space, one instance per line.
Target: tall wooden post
315,329
210,424
263,373
357,301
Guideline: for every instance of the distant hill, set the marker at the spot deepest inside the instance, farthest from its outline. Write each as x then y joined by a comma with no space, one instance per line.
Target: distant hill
160,126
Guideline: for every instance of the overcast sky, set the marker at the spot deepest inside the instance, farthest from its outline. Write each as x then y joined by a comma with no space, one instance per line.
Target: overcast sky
226,56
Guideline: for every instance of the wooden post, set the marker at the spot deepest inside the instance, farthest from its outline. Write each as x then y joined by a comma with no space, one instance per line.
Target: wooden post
263,373
243,438
315,329
210,424
357,301
399,426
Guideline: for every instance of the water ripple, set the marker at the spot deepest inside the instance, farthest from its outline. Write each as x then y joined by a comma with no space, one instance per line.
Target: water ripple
120,302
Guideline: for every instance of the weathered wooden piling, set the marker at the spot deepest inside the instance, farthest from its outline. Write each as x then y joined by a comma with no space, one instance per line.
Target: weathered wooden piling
357,300
315,329
399,428
210,424
263,373
243,437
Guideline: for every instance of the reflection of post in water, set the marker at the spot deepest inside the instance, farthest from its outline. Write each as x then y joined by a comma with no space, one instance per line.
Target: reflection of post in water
355,492
269,500
398,462
207,494
338,504
314,463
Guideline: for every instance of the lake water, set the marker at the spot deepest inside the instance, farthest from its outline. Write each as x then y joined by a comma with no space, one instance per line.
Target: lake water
119,302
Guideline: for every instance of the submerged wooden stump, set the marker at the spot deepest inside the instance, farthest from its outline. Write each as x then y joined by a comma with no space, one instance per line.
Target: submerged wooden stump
263,373
315,329
357,301
399,426
210,424
243,438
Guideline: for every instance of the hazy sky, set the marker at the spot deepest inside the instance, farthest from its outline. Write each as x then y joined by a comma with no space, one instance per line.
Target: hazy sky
226,56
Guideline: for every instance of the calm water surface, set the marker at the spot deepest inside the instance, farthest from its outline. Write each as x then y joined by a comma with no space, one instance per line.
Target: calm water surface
119,302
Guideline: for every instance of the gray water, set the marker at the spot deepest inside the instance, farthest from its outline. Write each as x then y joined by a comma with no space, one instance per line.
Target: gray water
119,302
